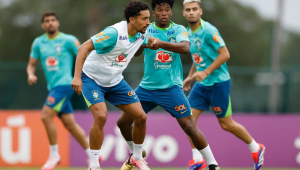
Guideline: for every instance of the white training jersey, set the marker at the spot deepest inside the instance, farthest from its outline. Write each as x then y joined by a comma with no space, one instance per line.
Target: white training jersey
106,69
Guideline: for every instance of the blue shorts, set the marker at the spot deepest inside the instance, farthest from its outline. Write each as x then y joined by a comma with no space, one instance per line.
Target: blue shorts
59,99
171,99
217,96
119,94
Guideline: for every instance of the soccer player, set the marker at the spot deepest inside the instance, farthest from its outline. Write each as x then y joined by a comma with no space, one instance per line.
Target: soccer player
99,75
56,50
163,78
212,88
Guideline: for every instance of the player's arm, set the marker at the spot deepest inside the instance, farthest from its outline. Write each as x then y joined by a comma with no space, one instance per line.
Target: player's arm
215,40
32,79
146,44
34,56
189,79
182,48
81,56
221,59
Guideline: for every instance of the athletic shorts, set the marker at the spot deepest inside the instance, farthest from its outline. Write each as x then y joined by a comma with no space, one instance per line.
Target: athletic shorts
119,94
59,99
172,99
217,96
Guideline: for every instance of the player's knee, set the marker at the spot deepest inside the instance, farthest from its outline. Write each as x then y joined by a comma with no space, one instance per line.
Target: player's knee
100,119
69,125
45,116
189,129
227,126
141,120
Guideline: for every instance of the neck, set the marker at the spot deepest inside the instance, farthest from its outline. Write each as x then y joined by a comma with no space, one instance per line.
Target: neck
195,25
162,26
131,30
51,36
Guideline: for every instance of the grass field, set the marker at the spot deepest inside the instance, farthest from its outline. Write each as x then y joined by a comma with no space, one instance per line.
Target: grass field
151,169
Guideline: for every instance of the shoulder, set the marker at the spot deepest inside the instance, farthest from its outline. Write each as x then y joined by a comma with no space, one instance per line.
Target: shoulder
38,39
209,28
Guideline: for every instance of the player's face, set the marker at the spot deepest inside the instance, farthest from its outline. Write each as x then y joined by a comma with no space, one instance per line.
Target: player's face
141,22
50,24
162,13
192,12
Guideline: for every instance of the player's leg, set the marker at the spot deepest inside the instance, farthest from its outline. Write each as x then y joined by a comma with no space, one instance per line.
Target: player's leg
49,111
222,107
94,98
199,101
198,162
126,99
174,101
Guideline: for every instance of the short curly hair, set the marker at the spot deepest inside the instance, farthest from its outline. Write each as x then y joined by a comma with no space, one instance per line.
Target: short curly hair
133,9
158,2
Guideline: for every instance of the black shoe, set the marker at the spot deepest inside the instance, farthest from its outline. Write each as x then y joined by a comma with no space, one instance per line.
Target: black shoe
214,167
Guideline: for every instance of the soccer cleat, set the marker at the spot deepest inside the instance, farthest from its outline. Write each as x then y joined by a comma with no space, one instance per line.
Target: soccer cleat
197,165
213,167
141,164
258,157
94,168
127,165
51,163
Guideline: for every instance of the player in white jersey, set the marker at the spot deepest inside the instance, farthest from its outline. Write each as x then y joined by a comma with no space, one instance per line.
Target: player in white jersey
99,75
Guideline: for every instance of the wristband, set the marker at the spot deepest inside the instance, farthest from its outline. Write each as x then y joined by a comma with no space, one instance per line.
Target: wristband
205,72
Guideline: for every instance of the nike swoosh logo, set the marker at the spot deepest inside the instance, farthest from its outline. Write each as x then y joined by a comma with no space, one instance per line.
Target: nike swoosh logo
135,97
183,112
218,113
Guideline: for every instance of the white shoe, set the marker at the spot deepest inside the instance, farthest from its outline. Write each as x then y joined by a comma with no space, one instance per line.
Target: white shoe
51,163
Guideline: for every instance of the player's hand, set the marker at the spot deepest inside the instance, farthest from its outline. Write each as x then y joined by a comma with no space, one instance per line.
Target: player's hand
199,76
77,85
32,79
156,43
187,84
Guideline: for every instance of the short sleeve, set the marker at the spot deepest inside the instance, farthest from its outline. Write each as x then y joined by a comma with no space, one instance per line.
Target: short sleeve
214,38
35,53
105,41
73,45
182,34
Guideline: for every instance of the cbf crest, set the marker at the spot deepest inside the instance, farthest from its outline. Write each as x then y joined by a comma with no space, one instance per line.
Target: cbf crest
172,39
198,44
95,94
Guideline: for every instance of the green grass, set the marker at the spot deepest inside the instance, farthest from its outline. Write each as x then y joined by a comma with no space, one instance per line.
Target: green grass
151,168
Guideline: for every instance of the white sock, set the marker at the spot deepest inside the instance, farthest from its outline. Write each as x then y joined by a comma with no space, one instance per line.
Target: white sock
130,144
88,152
137,151
208,156
197,155
54,151
94,158
253,146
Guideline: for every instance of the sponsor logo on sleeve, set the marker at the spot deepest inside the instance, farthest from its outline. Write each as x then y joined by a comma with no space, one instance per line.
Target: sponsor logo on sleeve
217,38
77,43
185,34
101,37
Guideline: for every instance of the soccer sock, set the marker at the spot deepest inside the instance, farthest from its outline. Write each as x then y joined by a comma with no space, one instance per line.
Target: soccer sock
54,151
130,144
94,158
253,146
208,156
197,155
88,152
137,151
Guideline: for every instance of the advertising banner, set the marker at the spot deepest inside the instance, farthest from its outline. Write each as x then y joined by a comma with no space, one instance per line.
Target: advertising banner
24,141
